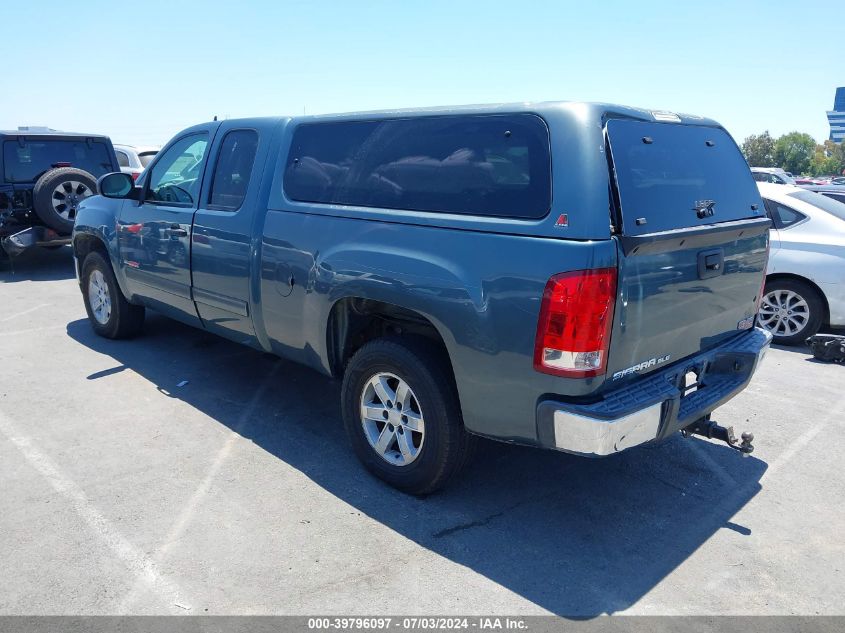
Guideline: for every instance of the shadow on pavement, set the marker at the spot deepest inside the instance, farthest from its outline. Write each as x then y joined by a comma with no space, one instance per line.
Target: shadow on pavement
578,537
37,264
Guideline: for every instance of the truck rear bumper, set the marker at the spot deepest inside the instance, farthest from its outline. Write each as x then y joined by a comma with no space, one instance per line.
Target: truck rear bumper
656,406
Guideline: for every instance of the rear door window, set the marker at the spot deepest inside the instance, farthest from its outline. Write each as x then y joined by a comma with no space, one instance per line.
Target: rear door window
233,169
27,161
490,165
673,176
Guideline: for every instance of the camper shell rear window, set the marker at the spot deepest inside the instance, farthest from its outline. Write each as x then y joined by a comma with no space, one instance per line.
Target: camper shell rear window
672,176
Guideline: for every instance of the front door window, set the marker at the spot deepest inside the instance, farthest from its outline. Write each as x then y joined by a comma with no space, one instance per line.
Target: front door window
175,177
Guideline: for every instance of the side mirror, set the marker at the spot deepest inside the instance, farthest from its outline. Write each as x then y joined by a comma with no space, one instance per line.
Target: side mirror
117,185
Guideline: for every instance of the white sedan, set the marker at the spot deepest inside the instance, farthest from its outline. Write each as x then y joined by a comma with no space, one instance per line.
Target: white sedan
805,281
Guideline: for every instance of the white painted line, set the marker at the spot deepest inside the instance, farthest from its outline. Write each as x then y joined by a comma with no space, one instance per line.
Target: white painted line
140,564
186,516
34,329
805,438
20,314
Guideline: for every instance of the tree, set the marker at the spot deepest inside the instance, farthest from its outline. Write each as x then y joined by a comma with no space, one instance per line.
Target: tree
828,159
794,151
759,150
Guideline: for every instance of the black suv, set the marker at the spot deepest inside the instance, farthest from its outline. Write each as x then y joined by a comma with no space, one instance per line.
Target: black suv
43,178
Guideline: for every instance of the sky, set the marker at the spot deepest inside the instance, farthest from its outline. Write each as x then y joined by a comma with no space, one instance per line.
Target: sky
142,71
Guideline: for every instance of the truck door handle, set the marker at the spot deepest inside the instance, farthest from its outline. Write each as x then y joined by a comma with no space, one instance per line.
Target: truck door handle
177,231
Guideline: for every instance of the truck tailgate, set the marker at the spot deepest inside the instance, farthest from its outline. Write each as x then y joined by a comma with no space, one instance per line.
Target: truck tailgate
692,242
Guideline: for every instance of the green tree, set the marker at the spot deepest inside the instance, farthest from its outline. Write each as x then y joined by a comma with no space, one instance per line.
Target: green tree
794,152
759,150
828,159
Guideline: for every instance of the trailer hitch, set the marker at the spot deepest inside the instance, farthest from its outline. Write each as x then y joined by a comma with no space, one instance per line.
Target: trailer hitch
705,427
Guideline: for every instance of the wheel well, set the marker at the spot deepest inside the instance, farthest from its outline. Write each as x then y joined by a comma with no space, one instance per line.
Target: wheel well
804,280
354,321
85,244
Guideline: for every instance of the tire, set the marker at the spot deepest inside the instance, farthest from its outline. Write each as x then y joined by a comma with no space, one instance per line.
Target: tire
414,462
109,313
57,195
791,310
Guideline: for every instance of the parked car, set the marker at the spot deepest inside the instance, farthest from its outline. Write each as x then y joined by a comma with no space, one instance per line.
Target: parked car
774,175
811,180
133,159
421,257
836,192
805,280
837,180
44,176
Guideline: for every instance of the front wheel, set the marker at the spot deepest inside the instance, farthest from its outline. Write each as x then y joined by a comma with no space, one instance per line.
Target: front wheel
791,310
402,415
109,313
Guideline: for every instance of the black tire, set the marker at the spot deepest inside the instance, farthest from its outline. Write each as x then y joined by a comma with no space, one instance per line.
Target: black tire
811,323
46,199
446,446
124,319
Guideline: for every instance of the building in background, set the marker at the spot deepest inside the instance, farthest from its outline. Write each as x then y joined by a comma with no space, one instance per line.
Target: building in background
836,117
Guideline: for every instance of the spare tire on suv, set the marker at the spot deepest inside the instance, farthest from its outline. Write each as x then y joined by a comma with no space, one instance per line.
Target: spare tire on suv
57,195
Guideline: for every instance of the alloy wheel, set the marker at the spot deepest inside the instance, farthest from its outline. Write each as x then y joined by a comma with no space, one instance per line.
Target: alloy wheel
784,312
392,419
99,298
67,196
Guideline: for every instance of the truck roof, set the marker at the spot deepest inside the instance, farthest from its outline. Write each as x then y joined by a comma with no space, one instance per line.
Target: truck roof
588,110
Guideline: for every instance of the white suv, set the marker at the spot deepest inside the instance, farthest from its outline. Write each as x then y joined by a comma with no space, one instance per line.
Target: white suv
134,158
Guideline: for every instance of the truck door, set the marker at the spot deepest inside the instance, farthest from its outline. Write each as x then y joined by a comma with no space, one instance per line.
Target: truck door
155,232
223,228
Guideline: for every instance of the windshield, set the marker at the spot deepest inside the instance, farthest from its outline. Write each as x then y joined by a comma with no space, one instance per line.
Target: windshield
146,158
675,176
822,202
26,162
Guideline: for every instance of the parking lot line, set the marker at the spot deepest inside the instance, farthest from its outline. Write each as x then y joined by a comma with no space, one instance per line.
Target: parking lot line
34,329
143,567
187,513
20,314
802,440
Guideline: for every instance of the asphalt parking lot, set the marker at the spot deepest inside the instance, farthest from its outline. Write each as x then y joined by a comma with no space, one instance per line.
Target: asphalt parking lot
123,492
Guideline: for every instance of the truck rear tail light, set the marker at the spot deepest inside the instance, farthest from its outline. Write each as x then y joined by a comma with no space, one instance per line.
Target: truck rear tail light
135,175
573,332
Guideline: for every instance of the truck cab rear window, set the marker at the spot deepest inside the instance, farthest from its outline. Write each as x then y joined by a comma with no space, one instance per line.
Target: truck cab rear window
26,162
492,165
676,176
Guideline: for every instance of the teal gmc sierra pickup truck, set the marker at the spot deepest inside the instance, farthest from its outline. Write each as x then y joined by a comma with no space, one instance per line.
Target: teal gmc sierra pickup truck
572,276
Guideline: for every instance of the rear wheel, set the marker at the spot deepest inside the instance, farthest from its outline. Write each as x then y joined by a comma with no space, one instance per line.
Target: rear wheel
109,313
402,416
791,310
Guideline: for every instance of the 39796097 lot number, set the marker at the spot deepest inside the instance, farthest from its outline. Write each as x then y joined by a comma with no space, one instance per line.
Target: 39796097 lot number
349,623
